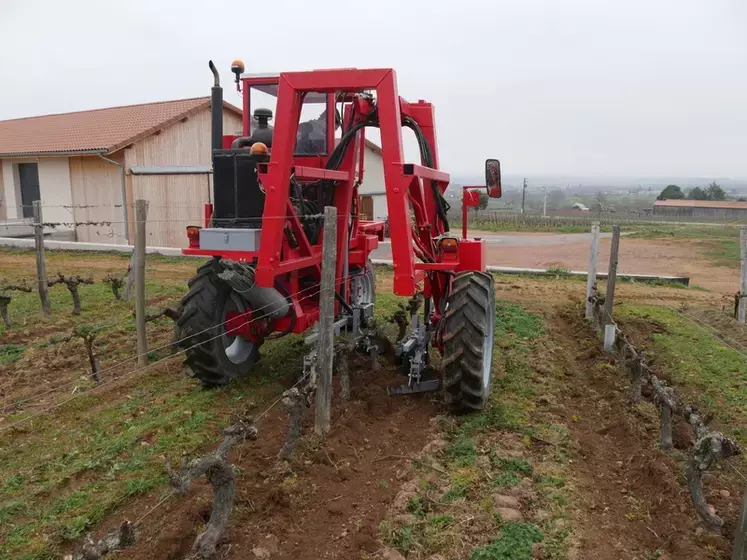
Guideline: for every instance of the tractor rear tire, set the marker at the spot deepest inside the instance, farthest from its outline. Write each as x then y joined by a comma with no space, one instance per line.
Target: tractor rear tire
202,330
468,341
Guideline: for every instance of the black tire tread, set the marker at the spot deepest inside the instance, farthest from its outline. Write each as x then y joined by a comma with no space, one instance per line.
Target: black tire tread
197,326
471,303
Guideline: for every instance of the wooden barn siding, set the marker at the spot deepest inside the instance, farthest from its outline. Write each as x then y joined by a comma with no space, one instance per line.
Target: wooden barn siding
176,201
98,184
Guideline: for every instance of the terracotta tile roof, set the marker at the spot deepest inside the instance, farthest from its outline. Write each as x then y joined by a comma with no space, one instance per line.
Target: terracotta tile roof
99,130
702,203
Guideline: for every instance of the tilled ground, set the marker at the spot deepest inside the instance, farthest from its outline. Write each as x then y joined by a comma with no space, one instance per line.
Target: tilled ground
576,459
326,502
626,499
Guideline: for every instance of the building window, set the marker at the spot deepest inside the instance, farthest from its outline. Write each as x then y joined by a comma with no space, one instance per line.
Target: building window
28,175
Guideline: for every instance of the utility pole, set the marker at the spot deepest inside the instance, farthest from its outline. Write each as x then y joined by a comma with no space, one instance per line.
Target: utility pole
544,206
523,195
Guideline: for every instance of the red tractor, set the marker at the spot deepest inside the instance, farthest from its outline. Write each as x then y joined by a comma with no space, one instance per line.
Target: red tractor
263,232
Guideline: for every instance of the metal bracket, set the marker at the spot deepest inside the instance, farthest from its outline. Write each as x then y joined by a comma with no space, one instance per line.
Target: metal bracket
412,351
338,326
422,387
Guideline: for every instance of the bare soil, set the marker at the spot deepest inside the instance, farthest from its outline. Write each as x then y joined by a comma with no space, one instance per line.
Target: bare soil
629,498
637,256
632,499
327,502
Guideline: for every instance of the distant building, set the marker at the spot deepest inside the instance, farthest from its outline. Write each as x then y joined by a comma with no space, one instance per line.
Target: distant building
579,206
705,209
91,166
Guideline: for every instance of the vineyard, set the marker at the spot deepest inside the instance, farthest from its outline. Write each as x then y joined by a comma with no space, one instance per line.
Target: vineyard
563,463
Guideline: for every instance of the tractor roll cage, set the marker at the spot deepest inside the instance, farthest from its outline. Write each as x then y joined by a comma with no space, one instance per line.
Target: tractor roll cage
404,182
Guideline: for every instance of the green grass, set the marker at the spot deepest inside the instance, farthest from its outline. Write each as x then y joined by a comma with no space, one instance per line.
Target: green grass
98,307
701,367
718,244
470,480
513,543
508,226
10,353
512,319
635,229
724,252
64,474
462,452
681,231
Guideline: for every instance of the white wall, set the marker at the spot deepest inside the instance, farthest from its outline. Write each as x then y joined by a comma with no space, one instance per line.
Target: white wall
373,182
11,189
54,187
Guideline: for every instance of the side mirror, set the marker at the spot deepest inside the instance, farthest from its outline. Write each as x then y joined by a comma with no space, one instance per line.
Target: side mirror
493,178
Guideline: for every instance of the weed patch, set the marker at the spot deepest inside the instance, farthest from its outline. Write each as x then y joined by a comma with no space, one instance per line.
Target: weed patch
514,543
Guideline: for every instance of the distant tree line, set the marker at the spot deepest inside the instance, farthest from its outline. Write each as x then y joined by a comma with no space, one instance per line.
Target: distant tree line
712,192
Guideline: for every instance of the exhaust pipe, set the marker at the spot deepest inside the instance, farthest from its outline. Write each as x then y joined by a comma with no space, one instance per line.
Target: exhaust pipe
216,110
270,303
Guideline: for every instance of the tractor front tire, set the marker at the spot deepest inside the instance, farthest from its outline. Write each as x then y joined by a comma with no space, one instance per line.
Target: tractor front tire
468,341
207,348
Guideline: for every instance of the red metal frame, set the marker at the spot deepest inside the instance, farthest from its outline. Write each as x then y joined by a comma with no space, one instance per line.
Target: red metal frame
408,189
470,199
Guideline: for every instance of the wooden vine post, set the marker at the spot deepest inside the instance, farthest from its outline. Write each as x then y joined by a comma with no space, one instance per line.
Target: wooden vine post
41,265
326,323
141,214
591,280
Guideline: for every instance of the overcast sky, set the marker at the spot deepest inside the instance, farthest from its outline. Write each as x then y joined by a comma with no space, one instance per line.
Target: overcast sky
586,87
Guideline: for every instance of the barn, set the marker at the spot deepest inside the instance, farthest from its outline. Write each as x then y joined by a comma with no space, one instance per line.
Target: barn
90,167
702,209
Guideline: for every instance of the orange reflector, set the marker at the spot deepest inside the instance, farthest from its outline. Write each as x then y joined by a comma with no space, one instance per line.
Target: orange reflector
193,234
449,245
258,148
